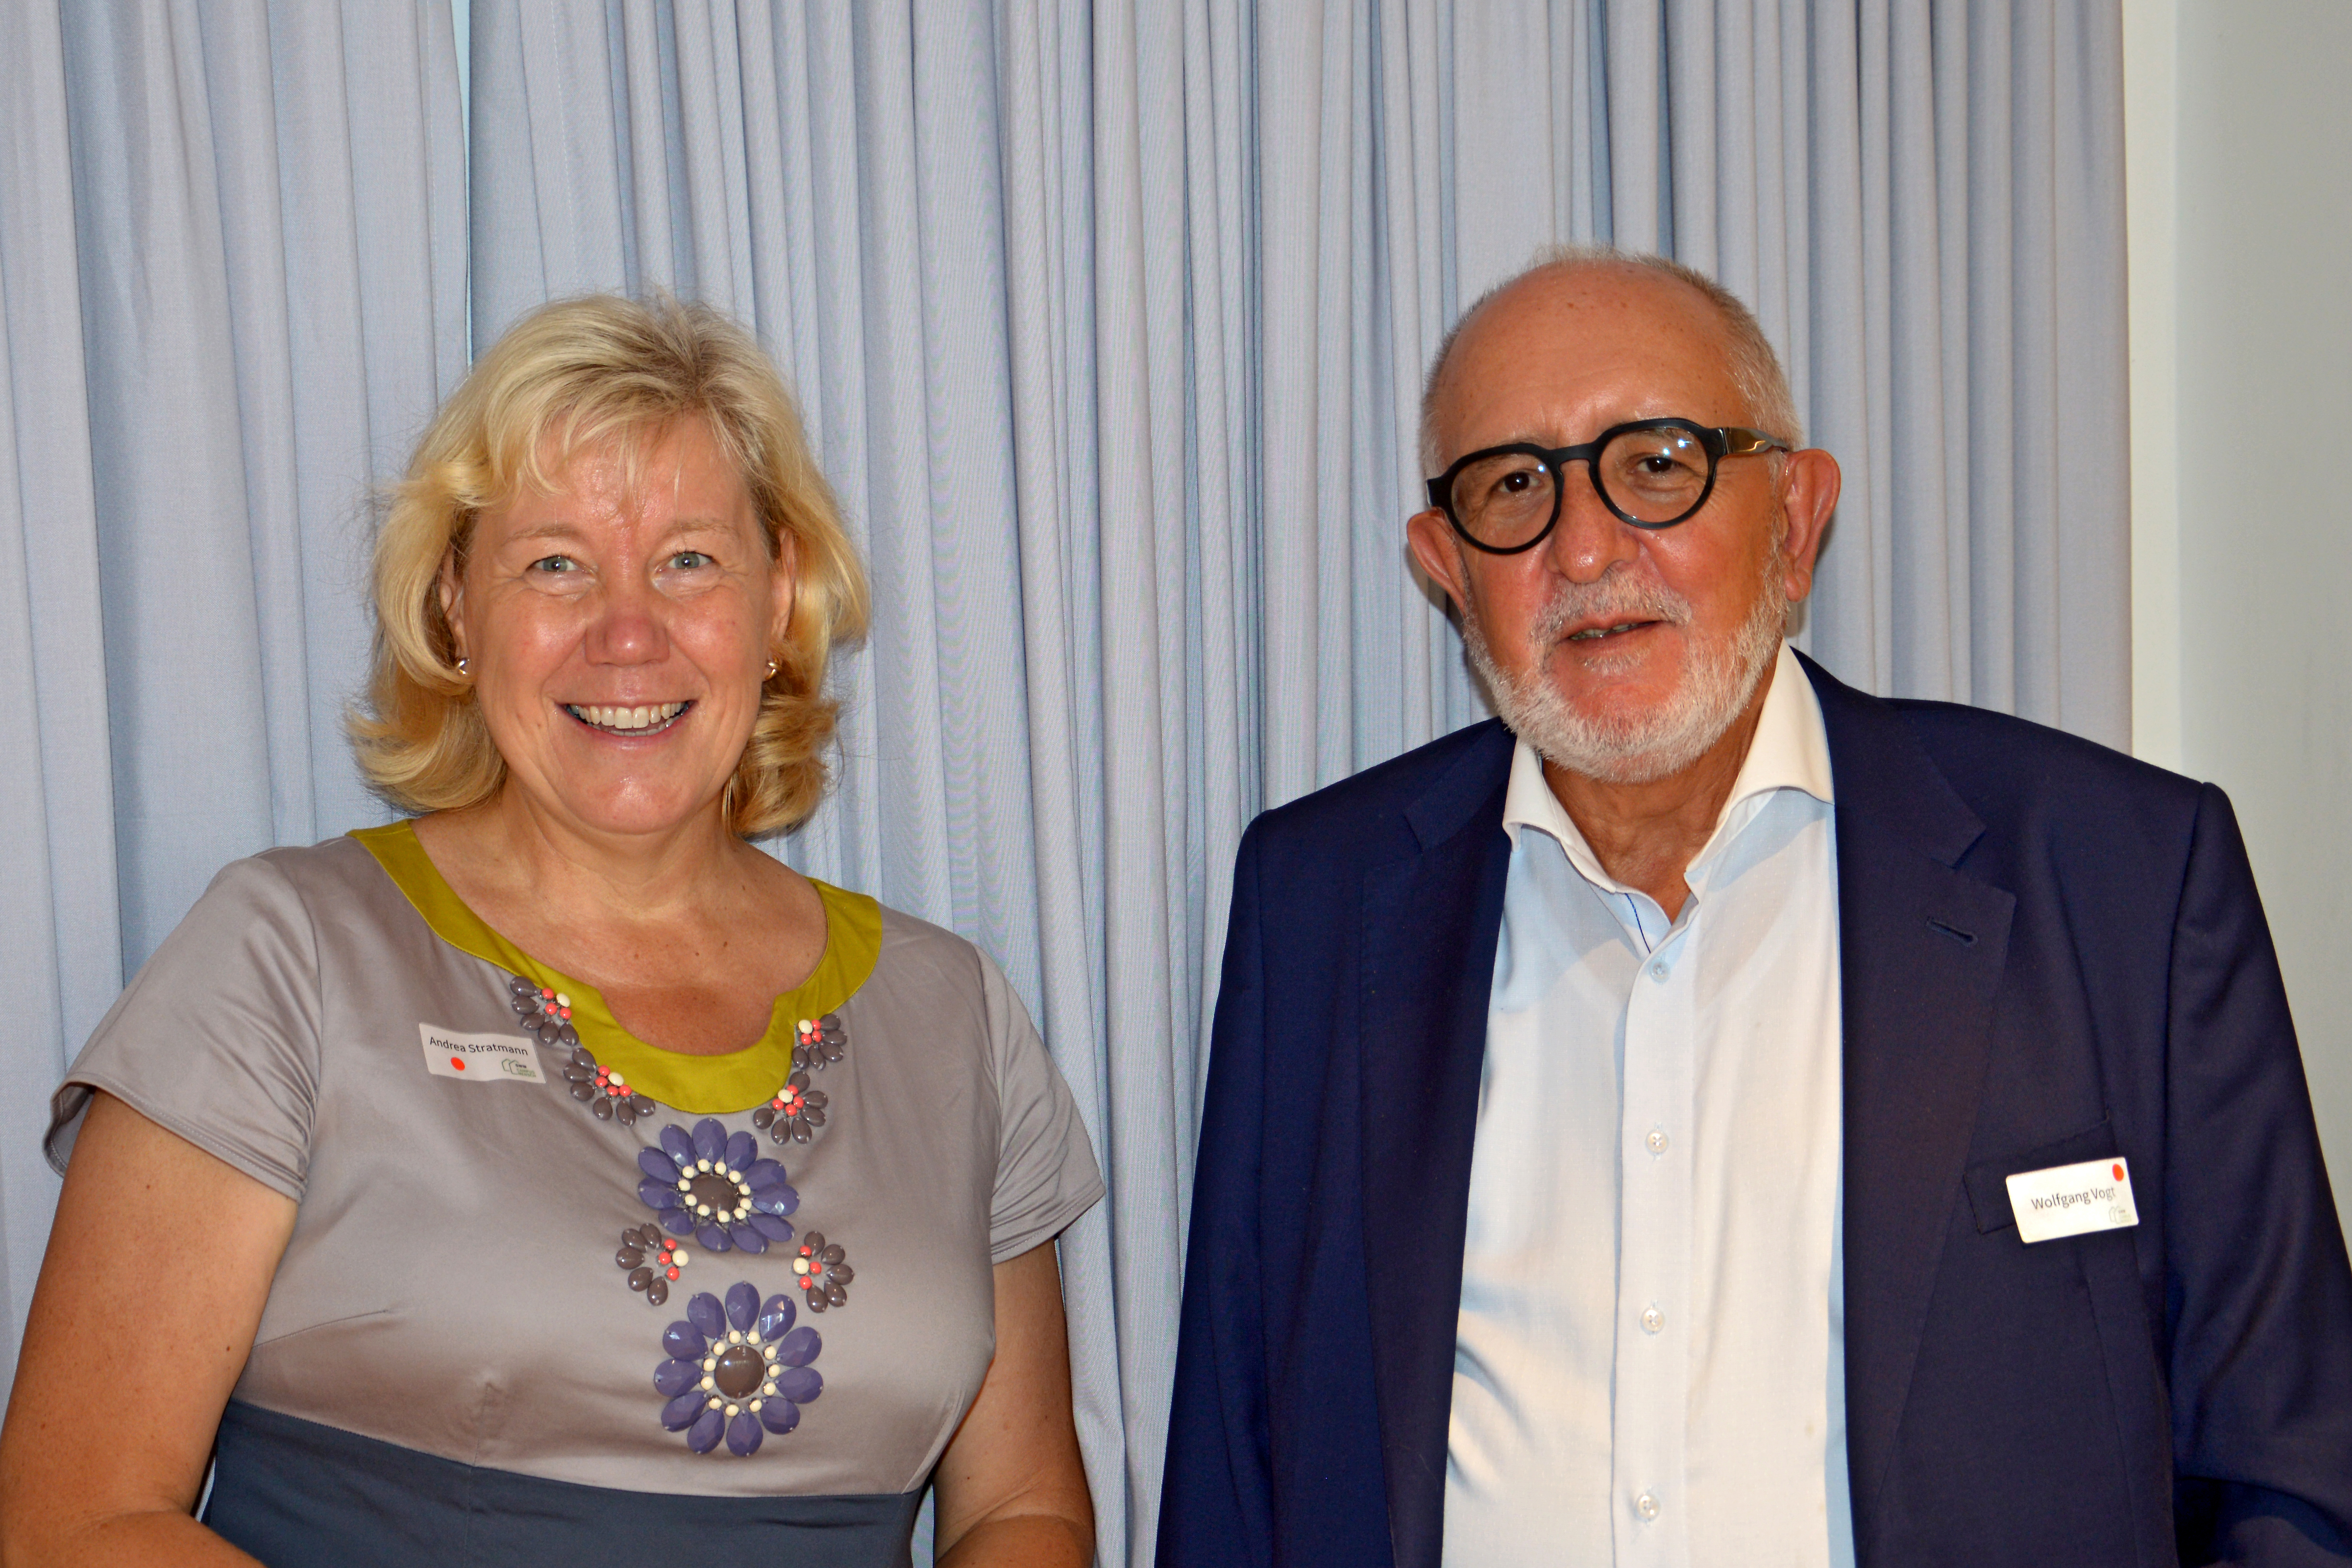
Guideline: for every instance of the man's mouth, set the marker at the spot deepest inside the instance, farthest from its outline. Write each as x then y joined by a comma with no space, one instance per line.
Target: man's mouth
644,719
1595,634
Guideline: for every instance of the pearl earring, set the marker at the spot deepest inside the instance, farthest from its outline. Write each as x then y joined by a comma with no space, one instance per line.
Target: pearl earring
772,669
465,667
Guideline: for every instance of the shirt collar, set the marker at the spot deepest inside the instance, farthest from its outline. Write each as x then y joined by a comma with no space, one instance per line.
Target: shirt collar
1790,750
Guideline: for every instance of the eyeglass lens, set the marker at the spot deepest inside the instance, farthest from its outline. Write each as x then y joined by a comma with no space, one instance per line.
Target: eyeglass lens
1652,476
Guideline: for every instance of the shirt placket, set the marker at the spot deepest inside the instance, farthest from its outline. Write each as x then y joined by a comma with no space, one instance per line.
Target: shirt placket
1650,1409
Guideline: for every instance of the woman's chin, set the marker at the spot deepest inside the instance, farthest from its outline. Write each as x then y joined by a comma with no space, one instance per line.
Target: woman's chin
633,811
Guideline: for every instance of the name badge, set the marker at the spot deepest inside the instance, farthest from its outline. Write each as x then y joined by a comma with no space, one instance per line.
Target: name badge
483,1058
2072,1200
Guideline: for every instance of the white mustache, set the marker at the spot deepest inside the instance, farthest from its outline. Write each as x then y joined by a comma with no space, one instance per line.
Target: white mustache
1611,600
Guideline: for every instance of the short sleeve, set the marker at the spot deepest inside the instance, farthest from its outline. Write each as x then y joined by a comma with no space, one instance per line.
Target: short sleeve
217,1038
1045,1171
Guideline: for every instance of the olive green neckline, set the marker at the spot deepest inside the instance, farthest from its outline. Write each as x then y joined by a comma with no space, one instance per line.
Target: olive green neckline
702,1085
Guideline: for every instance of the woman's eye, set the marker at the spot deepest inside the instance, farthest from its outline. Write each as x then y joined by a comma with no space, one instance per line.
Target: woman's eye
553,563
688,561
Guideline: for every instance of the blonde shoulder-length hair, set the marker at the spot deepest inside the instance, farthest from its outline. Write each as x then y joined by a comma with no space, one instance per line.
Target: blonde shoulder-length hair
600,371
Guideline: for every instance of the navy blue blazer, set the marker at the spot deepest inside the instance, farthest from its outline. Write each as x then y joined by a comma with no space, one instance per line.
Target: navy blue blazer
2051,954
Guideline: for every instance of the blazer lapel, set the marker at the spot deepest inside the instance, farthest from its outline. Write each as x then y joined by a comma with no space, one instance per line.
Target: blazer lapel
1430,925
1922,946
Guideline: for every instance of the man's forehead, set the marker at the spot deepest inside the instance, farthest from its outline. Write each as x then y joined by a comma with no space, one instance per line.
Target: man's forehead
1620,339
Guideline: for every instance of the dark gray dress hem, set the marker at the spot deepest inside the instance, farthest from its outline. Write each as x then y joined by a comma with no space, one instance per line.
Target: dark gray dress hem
293,1493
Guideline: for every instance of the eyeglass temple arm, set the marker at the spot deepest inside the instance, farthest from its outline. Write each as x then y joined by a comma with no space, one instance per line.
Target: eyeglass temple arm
1739,441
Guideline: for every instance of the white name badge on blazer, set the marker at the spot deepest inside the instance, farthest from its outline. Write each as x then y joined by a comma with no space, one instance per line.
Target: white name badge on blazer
483,1058
2072,1200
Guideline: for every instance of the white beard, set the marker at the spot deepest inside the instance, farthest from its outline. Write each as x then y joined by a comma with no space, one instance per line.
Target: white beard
1720,677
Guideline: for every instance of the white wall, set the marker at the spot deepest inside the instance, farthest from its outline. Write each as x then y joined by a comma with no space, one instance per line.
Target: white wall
2240,138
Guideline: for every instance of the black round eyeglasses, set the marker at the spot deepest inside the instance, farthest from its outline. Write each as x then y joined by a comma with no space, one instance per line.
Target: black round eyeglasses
1652,473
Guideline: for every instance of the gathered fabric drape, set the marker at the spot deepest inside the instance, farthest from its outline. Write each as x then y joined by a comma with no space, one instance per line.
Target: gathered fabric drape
232,262
1108,322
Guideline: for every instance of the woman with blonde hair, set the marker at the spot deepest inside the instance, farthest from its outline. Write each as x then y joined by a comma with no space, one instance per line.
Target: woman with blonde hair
553,1177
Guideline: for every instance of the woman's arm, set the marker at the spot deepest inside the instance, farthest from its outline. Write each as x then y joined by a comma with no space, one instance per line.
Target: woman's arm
1010,1488
156,1272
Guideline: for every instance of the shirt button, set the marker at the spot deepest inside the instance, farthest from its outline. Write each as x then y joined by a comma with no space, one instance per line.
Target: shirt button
1656,1140
1646,1506
1652,1319
1660,970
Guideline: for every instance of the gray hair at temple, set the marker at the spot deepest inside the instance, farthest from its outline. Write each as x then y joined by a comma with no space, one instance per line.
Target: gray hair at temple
1754,368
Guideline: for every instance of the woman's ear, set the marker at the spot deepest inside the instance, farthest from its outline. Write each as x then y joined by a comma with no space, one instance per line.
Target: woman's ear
449,586
785,576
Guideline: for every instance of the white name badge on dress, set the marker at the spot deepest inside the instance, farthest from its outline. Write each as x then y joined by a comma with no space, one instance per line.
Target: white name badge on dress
483,1058
2072,1200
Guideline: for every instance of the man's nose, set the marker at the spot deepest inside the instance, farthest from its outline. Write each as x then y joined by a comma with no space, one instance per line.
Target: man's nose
628,627
1589,539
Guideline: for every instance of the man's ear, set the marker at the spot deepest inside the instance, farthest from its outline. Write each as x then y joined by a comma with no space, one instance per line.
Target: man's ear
1431,539
1809,496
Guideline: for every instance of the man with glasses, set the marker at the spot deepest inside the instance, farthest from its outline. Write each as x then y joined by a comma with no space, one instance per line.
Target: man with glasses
1713,1115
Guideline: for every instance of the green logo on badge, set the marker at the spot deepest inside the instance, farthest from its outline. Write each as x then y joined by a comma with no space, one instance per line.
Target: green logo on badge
517,1066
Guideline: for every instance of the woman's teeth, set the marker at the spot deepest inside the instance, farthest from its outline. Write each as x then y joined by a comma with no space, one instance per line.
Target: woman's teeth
626,720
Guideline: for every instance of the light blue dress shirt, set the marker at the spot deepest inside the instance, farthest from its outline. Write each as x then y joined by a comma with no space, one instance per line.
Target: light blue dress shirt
1649,1361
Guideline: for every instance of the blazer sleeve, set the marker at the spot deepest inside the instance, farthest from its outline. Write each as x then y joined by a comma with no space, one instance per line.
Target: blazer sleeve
1216,1500
2258,1293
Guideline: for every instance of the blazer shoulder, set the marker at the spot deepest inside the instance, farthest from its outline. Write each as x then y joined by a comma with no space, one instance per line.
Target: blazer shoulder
1430,785
1997,760
1946,775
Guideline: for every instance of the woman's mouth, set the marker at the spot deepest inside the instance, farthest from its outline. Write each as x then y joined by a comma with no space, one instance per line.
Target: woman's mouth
643,718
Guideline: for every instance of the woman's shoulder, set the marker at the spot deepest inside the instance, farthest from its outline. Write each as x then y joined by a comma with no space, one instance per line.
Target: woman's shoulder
334,868
920,970
912,950
287,883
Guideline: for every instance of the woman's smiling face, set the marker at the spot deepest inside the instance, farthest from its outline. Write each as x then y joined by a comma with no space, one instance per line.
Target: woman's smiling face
618,634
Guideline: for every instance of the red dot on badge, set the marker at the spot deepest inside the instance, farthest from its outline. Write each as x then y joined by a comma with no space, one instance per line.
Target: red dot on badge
458,1062
2120,1173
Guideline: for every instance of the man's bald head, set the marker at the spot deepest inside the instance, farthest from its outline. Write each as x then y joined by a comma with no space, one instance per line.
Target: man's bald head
1748,354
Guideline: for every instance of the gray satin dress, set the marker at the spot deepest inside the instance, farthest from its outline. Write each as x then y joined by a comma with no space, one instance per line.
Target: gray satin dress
553,1295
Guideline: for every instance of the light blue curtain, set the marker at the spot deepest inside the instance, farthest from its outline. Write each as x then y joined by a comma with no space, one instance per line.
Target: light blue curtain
1108,321
232,289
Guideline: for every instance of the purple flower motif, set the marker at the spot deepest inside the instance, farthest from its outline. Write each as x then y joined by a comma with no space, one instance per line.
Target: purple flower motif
544,1012
651,1260
603,1091
716,1188
793,1113
822,1270
737,1370
818,1043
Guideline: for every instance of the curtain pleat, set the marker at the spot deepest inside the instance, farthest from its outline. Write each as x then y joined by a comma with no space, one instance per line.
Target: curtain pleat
1108,321
60,951
1111,322
232,252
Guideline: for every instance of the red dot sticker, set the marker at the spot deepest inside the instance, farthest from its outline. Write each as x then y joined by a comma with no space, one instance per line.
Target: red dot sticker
460,1063
2120,1173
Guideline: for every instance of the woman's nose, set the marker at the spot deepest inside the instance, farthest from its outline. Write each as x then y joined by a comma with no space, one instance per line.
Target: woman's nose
628,627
